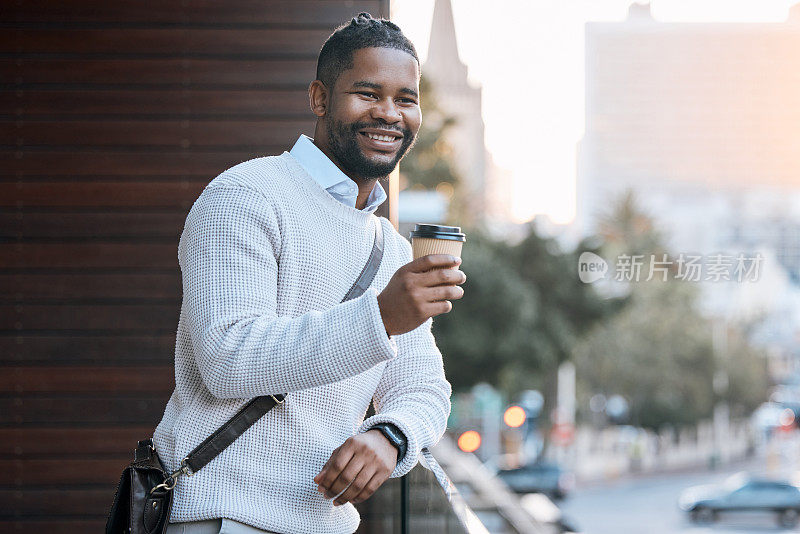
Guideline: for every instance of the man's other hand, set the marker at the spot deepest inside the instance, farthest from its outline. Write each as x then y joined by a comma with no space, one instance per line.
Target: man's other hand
419,290
361,465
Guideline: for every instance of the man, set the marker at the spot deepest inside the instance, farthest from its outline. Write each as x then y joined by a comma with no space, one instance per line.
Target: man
267,253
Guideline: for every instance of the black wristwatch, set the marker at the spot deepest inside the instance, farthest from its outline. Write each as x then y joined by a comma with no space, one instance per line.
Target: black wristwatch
395,437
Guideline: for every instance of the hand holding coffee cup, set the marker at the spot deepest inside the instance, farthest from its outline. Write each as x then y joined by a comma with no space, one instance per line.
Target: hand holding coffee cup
424,287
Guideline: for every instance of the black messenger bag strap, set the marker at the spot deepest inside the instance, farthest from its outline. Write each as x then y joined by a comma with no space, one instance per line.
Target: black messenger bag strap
256,408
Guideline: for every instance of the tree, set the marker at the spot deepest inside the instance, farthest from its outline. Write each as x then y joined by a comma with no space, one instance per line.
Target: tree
748,379
489,327
625,227
523,309
657,351
568,308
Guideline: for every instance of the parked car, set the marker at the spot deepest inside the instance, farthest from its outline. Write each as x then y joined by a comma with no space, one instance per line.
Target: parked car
539,477
743,493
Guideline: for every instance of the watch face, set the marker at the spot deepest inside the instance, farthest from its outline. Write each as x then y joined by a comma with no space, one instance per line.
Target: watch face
392,435
395,437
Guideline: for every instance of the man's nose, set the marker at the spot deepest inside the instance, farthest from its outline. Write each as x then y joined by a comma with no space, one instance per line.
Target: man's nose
386,109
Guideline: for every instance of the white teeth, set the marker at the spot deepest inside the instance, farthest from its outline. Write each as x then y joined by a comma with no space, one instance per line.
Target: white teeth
380,137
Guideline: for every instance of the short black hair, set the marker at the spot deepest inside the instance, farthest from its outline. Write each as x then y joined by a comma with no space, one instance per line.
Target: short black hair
362,31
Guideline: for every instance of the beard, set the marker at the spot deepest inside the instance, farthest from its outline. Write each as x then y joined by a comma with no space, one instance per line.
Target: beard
343,143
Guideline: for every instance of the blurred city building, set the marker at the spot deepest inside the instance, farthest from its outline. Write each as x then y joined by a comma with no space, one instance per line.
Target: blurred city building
487,186
699,120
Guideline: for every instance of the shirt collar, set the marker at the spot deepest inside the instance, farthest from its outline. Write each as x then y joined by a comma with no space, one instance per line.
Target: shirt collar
331,177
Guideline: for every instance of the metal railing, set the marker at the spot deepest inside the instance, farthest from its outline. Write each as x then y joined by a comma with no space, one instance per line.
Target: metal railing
416,503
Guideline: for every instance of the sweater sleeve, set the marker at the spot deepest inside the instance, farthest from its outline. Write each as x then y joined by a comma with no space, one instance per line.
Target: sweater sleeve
228,255
413,393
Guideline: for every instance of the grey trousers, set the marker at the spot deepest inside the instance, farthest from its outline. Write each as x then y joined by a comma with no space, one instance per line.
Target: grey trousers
214,526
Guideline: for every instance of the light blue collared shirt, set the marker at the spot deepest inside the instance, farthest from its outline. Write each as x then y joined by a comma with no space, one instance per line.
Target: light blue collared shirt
330,177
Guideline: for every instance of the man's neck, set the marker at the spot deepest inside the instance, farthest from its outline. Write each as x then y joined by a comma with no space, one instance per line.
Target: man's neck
365,187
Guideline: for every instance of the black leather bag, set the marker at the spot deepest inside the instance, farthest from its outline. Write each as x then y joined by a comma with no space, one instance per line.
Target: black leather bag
143,499
139,495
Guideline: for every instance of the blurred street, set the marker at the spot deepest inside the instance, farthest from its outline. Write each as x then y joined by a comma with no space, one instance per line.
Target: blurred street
650,505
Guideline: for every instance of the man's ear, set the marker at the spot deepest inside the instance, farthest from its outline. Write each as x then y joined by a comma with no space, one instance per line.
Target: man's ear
318,98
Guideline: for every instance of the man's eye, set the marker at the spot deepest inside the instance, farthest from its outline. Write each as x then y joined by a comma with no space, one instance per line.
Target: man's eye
367,93
408,101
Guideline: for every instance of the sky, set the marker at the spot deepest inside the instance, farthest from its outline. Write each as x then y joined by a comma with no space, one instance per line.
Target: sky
528,57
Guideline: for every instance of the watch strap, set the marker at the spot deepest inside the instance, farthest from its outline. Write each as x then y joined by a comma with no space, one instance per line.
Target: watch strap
395,437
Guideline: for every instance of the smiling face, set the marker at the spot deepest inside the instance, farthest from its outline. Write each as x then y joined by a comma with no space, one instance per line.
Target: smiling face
372,114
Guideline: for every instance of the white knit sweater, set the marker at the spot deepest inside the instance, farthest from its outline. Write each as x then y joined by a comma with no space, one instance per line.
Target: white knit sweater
266,256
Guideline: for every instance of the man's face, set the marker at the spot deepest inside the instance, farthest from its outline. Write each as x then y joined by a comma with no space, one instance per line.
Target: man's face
374,113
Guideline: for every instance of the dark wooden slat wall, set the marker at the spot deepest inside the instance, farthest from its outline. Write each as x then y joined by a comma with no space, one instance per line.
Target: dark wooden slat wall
113,117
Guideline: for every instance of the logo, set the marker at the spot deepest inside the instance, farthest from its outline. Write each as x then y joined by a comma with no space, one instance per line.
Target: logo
591,267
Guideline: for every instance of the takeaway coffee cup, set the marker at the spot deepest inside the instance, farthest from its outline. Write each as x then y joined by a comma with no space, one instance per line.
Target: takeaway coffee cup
436,239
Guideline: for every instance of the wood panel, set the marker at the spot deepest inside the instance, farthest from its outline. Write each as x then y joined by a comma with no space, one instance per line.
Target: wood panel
60,472
115,116
36,225
53,526
71,442
87,409
168,42
108,317
85,348
88,255
148,73
170,134
75,503
177,194
157,103
327,14
114,162
82,286
75,379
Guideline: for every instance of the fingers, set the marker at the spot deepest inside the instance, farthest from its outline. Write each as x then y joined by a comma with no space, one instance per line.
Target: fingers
439,293
438,308
437,299
357,468
370,487
356,486
333,468
345,478
433,261
438,277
